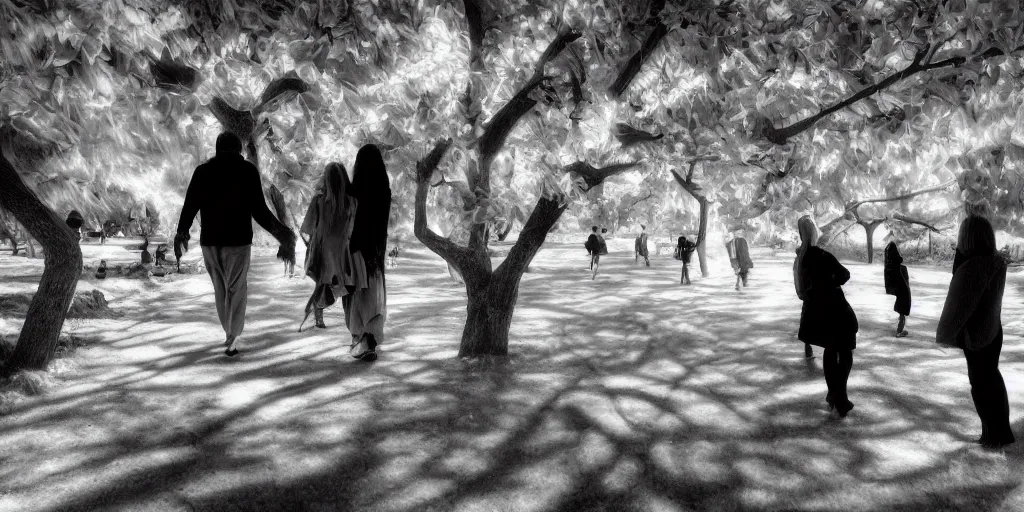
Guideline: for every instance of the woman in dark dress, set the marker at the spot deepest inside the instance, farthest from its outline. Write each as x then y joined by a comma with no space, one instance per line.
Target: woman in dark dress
897,282
366,306
971,321
826,320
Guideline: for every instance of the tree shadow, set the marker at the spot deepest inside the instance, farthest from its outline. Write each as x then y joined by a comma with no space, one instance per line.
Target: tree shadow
628,394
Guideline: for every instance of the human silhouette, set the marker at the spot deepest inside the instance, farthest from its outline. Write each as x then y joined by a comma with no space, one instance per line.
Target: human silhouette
684,250
971,321
826,320
897,282
640,247
593,246
739,258
328,223
226,190
366,306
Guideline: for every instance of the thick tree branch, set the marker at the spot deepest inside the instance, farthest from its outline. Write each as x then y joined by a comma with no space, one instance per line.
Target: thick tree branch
455,256
593,176
781,135
505,120
689,185
280,91
534,232
628,136
636,62
169,74
475,20
241,123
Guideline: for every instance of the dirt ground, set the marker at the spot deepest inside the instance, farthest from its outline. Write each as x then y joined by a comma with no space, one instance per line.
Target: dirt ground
628,392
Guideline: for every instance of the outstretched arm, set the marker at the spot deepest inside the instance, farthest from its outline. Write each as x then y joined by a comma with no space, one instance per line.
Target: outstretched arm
191,206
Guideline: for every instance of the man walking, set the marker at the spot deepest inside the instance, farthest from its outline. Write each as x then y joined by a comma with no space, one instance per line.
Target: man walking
640,247
226,190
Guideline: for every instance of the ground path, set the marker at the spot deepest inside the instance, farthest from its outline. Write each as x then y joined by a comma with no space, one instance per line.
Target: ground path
625,393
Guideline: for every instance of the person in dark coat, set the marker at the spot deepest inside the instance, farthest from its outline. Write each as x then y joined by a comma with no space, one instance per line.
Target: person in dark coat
739,258
593,246
826,320
366,305
685,248
601,241
226,190
897,282
640,247
971,321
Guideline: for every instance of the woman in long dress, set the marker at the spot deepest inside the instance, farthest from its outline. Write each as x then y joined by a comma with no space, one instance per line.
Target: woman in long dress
329,222
366,306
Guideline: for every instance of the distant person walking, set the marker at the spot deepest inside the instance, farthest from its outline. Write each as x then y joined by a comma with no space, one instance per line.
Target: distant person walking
602,242
739,258
593,246
640,247
684,252
971,321
328,224
226,190
366,306
826,320
897,282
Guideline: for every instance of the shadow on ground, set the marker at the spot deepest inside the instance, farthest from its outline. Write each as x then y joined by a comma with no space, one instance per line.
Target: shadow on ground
628,392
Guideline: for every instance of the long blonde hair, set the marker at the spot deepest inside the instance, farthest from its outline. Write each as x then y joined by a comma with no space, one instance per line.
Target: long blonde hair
808,238
336,198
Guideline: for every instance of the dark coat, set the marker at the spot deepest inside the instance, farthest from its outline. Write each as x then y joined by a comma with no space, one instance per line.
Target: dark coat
227,192
685,249
602,246
971,316
592,244
897,279
826,320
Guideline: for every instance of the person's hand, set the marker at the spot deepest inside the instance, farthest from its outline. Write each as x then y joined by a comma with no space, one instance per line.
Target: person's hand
180,244
287,251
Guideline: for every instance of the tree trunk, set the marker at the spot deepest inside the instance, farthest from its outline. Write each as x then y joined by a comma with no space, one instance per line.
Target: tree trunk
63,266
701,235
491,296
869,230
489,318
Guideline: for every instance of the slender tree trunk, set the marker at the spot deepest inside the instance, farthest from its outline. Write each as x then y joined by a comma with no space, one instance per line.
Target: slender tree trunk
63,266
869,230
31,248
701,237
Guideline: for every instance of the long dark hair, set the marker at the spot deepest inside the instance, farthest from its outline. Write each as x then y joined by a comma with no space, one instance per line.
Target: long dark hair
372,188
977,238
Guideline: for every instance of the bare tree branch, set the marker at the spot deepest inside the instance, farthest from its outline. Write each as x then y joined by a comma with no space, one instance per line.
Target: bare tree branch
903,218
853,205
781,135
